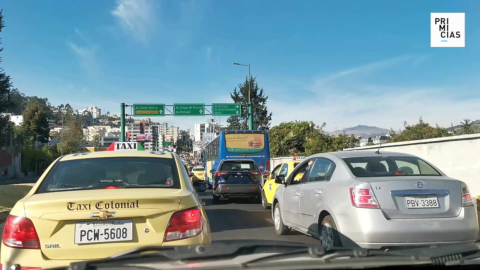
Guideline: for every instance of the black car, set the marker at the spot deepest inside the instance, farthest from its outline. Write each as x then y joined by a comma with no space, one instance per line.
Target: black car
237,178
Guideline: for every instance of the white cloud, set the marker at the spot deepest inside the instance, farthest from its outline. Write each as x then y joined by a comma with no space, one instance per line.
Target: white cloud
343,104
136,17
388,109
87,58
320,82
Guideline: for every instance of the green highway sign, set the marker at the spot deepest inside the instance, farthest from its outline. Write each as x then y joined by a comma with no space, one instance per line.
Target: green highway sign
149,109
226,109
167,143
189,109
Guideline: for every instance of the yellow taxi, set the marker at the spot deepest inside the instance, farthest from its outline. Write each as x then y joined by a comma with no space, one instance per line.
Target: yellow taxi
93,205
269,188
198,173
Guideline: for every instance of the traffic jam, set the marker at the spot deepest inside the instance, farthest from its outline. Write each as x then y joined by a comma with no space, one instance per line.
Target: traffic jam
95,205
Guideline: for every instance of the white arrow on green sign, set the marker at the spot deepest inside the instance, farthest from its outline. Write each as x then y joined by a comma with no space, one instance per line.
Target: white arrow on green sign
149,109
226,109
194,109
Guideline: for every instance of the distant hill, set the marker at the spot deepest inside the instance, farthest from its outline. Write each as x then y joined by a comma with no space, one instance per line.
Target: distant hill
457,127
361,130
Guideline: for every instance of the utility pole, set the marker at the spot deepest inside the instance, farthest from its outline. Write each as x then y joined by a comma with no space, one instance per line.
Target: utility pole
122,122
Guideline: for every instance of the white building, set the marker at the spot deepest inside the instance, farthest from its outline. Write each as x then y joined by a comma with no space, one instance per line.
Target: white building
207,127
16,119
137,129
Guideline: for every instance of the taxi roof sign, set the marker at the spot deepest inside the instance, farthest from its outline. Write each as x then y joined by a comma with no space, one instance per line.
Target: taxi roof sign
125,146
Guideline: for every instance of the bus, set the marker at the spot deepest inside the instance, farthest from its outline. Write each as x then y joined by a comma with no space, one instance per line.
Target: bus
237,144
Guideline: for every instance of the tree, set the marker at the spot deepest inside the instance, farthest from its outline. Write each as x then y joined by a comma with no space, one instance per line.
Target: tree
86,118
467,127
73,139
305,138
261,117
35,120
96,140
18,102
289,139
419,131
5,102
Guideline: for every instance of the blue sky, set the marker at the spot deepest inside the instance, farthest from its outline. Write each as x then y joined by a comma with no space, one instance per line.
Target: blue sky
340,62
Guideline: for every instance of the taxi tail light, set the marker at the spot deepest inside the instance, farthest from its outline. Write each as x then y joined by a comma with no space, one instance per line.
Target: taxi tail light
19,232
220,172
268,166
114,187
466,197
362,196
184,224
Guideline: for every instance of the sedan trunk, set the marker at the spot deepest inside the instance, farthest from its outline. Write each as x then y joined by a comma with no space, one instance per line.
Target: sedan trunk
417,197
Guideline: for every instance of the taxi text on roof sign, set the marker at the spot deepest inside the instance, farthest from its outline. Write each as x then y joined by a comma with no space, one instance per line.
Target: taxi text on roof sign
125,146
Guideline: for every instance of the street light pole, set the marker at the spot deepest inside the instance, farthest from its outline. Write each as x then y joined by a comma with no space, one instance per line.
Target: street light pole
250,109
63,131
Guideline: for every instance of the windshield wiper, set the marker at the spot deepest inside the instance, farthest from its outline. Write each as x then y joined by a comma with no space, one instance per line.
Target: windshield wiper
187,254
288,255
440,255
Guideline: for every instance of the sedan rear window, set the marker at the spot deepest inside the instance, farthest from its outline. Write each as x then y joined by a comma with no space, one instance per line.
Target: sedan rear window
389,166
238,166
111,173
198,169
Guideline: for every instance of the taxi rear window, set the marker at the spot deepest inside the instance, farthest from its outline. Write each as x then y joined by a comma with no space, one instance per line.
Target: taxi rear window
110,173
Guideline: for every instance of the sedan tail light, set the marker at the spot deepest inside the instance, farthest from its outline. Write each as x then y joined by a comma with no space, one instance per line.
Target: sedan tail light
256,172
466,197
184,224
19,232
362,196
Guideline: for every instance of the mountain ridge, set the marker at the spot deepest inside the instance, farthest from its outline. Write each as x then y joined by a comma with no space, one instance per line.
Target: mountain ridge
362,131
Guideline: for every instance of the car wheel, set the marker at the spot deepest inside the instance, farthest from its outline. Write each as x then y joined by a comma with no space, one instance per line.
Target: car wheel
280,228
216,199
264,201
328,234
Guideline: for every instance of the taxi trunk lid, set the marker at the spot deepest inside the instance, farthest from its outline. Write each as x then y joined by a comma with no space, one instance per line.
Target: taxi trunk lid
392,194
144,212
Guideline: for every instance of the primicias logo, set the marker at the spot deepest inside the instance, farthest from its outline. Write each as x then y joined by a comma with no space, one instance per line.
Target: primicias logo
101,205
447,30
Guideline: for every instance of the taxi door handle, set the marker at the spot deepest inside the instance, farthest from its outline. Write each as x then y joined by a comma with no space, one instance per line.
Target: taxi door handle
297,194
318,192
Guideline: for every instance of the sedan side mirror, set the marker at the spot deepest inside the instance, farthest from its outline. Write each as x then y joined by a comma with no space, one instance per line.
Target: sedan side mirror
279,179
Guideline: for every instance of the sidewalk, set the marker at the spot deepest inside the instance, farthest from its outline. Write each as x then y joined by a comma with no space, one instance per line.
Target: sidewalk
23,180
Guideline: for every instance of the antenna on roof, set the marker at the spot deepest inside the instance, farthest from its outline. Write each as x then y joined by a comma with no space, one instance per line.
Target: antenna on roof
378,150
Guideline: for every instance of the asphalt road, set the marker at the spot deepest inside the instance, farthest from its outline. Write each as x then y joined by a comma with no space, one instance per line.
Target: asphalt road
245,220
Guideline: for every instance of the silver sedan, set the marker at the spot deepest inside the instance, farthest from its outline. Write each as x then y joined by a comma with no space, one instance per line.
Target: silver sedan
374,200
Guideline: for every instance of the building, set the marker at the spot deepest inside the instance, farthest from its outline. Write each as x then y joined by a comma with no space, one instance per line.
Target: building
380,139
207,127
16,119
146,134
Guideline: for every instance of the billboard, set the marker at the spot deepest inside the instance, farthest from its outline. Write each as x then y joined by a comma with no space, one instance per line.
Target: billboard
245,143
144,137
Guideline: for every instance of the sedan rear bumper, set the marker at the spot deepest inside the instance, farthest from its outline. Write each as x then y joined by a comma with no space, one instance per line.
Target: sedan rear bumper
369,228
